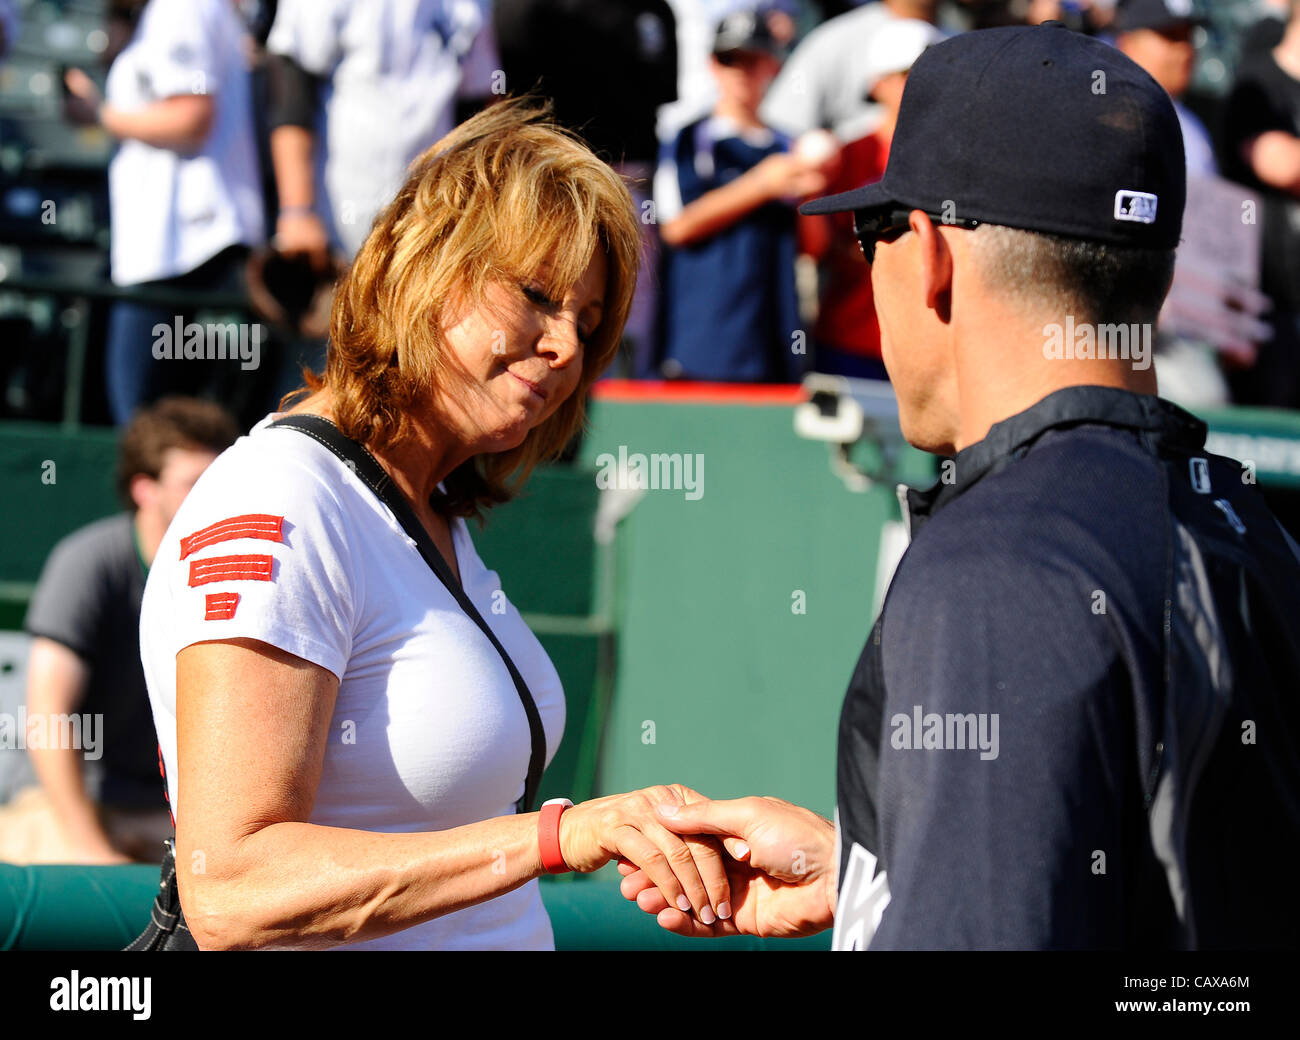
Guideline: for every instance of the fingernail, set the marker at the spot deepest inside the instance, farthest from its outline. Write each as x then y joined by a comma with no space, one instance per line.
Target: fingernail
742,850
667,810
683,904
724,911
706,915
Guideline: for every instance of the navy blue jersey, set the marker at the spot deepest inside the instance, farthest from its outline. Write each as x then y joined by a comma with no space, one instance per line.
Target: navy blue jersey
1076,723
729,308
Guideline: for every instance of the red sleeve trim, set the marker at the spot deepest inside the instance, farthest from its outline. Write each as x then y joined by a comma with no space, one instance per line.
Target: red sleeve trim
248,525
230,568
221,606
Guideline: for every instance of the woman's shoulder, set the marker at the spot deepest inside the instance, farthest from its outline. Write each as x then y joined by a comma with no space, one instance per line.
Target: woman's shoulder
269,470
279,453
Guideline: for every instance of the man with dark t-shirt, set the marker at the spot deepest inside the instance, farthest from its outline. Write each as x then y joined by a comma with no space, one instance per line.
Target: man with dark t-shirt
1262,142
85,657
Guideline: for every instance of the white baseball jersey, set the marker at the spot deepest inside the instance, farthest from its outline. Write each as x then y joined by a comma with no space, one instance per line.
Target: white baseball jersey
173,211
392,70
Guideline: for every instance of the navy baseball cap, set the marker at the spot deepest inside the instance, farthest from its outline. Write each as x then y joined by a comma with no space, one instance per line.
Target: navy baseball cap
1038,128
745,31
1155,14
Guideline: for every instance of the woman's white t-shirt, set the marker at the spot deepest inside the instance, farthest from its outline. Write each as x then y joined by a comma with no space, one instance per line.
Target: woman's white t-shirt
280,541
171,212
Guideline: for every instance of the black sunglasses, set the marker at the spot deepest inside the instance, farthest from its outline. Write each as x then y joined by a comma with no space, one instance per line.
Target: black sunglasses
872,226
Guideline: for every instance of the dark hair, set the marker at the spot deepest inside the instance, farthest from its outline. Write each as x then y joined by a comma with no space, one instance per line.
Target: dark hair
1096,281
173,422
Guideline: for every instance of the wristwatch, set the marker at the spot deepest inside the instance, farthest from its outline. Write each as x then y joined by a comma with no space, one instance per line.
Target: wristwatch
548,835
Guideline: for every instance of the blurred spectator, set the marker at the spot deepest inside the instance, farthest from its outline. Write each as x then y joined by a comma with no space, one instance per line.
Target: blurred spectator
847,334
606,67
1087,16
85,657
1267,32
9,26
1262,150
697,21
820,87
185,200
359,89
722,194
1157,34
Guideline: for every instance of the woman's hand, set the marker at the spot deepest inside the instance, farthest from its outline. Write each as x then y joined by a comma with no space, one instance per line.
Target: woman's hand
780,869
688,871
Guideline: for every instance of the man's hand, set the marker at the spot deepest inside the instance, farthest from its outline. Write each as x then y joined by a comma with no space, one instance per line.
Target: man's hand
688,869
781,872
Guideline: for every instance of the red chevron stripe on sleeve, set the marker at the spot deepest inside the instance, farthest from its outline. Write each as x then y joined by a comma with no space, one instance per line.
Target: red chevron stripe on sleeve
230,568
221,606
248,525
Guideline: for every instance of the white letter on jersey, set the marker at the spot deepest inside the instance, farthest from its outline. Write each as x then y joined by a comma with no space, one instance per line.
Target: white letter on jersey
861,899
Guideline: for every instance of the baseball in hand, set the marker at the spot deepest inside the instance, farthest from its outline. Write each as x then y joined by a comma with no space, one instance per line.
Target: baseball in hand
816,147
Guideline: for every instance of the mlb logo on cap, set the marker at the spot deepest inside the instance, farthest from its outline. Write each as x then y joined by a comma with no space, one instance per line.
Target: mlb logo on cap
1137,206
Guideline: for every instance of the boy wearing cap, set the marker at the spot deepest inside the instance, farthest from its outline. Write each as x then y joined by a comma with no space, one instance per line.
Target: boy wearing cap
1074,723
722,201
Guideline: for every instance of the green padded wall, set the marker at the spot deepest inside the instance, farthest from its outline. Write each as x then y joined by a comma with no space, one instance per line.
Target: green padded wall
104,908
743,693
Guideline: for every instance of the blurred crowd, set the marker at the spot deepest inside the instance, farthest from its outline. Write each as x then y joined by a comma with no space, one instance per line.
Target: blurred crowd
255,140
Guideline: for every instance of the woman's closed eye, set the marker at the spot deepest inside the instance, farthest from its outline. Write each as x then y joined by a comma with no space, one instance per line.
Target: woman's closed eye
540,298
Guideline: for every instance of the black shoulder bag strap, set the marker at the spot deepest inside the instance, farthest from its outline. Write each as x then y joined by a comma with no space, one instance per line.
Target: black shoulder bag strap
358,458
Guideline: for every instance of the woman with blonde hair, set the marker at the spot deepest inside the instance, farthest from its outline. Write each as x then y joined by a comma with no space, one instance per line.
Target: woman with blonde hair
337,680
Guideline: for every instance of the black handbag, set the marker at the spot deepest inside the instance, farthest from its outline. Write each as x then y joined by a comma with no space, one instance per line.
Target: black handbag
167,929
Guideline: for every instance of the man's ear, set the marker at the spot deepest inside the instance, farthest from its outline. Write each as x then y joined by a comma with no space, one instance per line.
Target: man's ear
936,265
141,489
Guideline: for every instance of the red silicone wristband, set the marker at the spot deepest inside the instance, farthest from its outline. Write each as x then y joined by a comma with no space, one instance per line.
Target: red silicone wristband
548,838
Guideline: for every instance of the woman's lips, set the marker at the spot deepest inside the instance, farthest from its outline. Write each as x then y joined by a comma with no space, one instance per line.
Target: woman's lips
531,386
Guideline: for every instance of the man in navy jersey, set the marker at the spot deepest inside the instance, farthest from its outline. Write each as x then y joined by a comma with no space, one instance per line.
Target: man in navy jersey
1075,723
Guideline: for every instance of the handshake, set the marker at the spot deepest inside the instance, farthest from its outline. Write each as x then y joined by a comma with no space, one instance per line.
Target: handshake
749,866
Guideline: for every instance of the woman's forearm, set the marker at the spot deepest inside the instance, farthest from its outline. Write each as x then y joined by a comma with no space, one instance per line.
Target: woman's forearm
180,123
304,886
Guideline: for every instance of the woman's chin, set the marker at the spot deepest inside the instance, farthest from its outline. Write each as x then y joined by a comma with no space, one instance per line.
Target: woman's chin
508,437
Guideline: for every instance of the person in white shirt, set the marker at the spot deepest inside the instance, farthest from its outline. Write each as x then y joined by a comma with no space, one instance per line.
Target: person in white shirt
345,751
372,85
820,85
184,192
